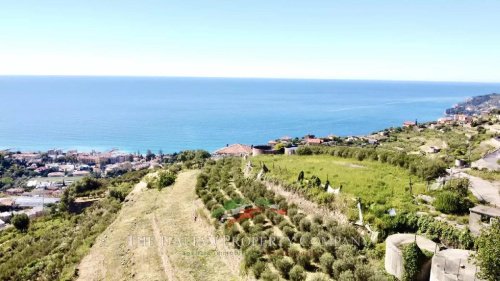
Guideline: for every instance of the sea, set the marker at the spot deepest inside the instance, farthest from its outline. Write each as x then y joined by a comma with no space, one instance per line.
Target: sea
134,114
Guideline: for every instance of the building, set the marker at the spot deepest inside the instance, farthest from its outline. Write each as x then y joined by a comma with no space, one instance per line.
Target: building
314,141
234,150
290,150
409,124
55,174
262,149
482,216
445,120
15,191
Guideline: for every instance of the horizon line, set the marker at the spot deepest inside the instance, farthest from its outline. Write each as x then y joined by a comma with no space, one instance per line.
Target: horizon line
246,77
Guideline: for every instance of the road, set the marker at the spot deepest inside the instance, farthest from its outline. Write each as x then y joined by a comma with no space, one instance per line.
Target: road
482,189
146,241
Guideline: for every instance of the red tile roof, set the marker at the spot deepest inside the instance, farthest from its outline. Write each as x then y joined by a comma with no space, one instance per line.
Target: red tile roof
315,141
234,149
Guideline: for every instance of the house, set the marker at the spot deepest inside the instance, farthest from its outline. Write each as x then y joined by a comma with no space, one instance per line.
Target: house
313,141
55,174
234,150
482,216
462,118
80,173
409,124
290,150
7,204
445,120
15,191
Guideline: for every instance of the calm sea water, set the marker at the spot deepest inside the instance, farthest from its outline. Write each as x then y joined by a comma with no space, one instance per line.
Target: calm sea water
172,114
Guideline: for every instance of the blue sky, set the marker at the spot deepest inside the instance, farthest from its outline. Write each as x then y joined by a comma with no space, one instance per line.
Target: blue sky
390,40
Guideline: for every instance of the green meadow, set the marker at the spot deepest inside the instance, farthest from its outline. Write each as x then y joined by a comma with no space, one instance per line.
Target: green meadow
380,186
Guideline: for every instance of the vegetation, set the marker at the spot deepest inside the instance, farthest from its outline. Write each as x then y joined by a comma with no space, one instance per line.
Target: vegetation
413,259
285,241
488,252
487,175
379,186
64,235
21,222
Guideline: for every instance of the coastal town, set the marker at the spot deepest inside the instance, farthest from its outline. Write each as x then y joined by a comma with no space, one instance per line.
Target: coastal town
33,183
40,178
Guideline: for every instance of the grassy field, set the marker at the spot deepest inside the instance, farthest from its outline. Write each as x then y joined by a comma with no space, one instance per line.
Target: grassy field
378,185
165,218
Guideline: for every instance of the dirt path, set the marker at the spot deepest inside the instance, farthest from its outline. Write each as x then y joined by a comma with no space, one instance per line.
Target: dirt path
151,239
307,206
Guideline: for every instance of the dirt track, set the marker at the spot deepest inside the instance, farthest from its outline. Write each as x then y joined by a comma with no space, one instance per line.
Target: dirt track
151,239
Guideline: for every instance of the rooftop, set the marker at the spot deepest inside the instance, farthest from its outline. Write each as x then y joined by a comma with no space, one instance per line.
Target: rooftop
234,149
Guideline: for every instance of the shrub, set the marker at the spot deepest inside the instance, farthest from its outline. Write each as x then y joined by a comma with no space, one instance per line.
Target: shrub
412,261
268,275
252,255
304,259
488,252
218,213
305,224
285,243
347,276
342,265
363,272
260,218
345,251
258,269
288,231
305,240
284,265
297,273
316,252
21,222
326,261
165,178
450,202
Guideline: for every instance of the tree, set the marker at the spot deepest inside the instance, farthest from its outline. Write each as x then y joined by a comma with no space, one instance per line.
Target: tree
21,222
165,179
297,273
252,255
488,252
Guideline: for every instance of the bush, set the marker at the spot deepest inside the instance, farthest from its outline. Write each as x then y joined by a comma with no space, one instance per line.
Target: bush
305,240
412,261
342,265
284,265
326,262
346,276
218,213
165,178
285,243
305,225
252,255
268,275
450,202
258,269
488,252
297,273
21,222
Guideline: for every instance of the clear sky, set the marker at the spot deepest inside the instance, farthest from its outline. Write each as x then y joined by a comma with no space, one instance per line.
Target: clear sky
451,40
